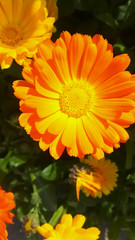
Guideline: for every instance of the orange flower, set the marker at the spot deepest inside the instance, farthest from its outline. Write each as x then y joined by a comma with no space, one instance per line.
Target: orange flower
23,25
88,183
100,179
3,231
6,204
69,228
77,95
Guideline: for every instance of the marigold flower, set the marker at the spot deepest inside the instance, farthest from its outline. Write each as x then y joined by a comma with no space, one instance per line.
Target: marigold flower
6,204
69,228
3,231
101,179
23,25
77,95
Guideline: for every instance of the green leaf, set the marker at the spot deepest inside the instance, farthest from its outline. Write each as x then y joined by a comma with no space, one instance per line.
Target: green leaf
120,46
47,193
55,170
107,19
5,161
130,150
116,227
16,161
56,216
50,173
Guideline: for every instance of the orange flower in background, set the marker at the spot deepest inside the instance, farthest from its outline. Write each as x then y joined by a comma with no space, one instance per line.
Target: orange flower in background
77,95
3,231
6,204
101,179
23,25
69,228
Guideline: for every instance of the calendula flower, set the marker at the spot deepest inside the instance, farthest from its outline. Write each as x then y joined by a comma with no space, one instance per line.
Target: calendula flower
101,179
23,25
77,95
3,231
69,228
6,204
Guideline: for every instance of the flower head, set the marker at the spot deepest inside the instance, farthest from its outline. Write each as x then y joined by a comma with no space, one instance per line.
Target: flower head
69,228
23,25
6,204
3,231
101,179
77,95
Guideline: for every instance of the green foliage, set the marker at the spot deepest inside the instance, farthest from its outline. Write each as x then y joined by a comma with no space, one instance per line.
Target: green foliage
56,170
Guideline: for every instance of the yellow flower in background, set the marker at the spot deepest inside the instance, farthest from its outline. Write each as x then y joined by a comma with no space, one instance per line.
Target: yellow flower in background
69,229
23,25
28,225
101,179
88,183
52,9
77,96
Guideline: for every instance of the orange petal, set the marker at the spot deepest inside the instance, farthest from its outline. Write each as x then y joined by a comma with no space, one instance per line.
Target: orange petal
99,154
56,147
69,133
75,53
58,123
118,64
43,124
61,64
87,61
92,132
83,141
66,37
43,106
101,64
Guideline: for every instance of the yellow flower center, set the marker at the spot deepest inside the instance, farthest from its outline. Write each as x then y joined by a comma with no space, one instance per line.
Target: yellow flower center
76,99
10,35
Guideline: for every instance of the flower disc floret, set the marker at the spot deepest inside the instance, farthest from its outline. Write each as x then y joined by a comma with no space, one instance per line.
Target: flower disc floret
10,35
75,99
77,96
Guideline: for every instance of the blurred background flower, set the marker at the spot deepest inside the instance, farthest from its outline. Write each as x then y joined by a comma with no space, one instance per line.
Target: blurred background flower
6,204
100,179
23,25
